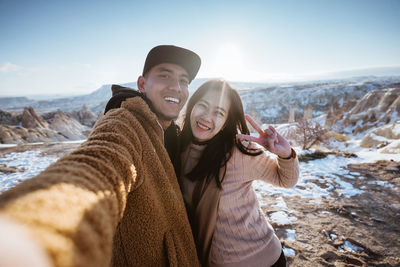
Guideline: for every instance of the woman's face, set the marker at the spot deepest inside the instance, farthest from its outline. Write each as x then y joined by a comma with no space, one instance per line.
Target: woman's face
209,115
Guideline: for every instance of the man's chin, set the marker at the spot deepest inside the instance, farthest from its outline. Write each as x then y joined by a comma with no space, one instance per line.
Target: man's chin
166,117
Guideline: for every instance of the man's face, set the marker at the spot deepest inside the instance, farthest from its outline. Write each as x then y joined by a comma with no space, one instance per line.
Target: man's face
166,86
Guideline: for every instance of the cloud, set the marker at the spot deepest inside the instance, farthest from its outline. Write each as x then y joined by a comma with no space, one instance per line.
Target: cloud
9,67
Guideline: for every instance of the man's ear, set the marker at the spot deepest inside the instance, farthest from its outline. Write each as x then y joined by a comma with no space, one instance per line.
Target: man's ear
140,83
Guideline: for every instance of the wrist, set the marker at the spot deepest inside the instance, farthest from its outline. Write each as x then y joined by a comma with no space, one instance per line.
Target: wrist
292,154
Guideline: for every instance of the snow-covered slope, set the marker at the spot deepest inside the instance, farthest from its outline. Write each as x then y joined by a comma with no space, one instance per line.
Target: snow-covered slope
273,104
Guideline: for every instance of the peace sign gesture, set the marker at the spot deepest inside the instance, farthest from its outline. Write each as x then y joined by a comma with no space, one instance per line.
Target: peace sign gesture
268,138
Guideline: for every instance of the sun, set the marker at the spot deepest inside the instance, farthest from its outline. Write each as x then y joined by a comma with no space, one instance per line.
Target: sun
229,61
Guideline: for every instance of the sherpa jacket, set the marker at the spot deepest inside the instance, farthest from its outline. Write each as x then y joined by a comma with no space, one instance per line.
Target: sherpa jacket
115,200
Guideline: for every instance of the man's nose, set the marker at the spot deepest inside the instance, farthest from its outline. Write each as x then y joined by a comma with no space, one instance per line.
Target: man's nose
174,84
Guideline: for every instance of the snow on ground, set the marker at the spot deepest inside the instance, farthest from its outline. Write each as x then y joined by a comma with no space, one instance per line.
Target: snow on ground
290,235
42,143
319,179
329,171
281,218
289,252
30,161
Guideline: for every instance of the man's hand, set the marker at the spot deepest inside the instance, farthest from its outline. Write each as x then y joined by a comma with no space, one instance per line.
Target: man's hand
268,138
18,248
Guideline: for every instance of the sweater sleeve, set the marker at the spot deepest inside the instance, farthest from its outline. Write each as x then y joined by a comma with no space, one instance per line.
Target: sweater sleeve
73,207
272,169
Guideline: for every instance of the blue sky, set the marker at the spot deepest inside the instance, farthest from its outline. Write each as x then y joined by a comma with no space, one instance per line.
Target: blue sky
69,47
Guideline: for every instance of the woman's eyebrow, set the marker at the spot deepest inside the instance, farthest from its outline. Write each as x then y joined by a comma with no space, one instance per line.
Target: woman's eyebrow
216,107
221,109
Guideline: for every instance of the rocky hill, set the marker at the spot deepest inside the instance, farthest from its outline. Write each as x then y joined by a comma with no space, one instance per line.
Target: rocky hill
349,106
273,104
30,127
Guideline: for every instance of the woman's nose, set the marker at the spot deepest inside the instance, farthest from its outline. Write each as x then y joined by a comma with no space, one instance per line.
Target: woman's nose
207,115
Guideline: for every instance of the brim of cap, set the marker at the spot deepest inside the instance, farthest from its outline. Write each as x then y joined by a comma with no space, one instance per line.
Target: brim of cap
185,58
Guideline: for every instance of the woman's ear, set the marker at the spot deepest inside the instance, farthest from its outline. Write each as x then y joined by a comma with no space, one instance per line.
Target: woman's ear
140,84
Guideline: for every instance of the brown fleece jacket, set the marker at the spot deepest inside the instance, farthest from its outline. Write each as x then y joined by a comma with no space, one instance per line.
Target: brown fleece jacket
115,200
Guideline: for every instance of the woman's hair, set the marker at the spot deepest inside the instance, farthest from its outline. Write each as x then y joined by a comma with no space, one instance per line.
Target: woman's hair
219,148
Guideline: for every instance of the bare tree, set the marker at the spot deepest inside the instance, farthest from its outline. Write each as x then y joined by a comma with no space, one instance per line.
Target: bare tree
309,132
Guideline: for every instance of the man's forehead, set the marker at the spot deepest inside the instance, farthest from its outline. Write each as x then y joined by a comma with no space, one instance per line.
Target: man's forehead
169,67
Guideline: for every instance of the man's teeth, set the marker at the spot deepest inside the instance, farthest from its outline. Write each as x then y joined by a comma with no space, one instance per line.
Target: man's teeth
203,127
171,99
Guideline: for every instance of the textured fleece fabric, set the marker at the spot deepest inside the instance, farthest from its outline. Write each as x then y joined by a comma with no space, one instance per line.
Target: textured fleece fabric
113,201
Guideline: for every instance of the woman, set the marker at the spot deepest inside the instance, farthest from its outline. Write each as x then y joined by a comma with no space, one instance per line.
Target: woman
219,162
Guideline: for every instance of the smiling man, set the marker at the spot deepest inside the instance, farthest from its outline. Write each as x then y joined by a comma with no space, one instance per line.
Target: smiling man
166,86
116,200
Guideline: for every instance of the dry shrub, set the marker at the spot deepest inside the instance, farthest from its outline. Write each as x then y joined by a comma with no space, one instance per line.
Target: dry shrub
309,133
337,136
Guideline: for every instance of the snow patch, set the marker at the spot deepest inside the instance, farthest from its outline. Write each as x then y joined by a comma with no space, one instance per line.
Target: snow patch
348,246
381,183
281,204
290,235
281,218
31,161
289,252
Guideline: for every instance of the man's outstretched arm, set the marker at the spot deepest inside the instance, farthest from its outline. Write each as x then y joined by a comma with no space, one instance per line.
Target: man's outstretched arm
72,208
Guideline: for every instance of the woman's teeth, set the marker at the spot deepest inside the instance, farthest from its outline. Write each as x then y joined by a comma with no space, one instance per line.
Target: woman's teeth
203,126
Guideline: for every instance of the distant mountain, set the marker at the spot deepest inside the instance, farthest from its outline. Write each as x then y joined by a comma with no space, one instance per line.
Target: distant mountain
357,73
273,104
95,101
271,100
352,105
6,102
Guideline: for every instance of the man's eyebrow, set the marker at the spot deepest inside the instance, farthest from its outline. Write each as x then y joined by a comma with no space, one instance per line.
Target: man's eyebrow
161,69
166,69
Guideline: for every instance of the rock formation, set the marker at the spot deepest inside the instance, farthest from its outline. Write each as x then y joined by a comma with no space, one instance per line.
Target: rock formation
308,112
19,135
31,120
375,109
53,127
7,118
291,115
85,116
382,136
68,126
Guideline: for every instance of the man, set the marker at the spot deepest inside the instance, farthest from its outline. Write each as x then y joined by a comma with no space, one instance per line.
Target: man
116,199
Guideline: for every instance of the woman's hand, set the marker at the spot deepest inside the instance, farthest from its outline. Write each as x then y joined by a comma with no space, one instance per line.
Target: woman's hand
269,138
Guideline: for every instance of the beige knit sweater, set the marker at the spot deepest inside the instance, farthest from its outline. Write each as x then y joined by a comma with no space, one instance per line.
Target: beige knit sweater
242,235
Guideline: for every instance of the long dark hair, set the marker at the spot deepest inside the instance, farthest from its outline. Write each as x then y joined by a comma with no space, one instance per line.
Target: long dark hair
219,149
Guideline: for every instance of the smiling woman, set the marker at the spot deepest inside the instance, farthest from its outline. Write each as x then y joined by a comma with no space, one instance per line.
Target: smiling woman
218,165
